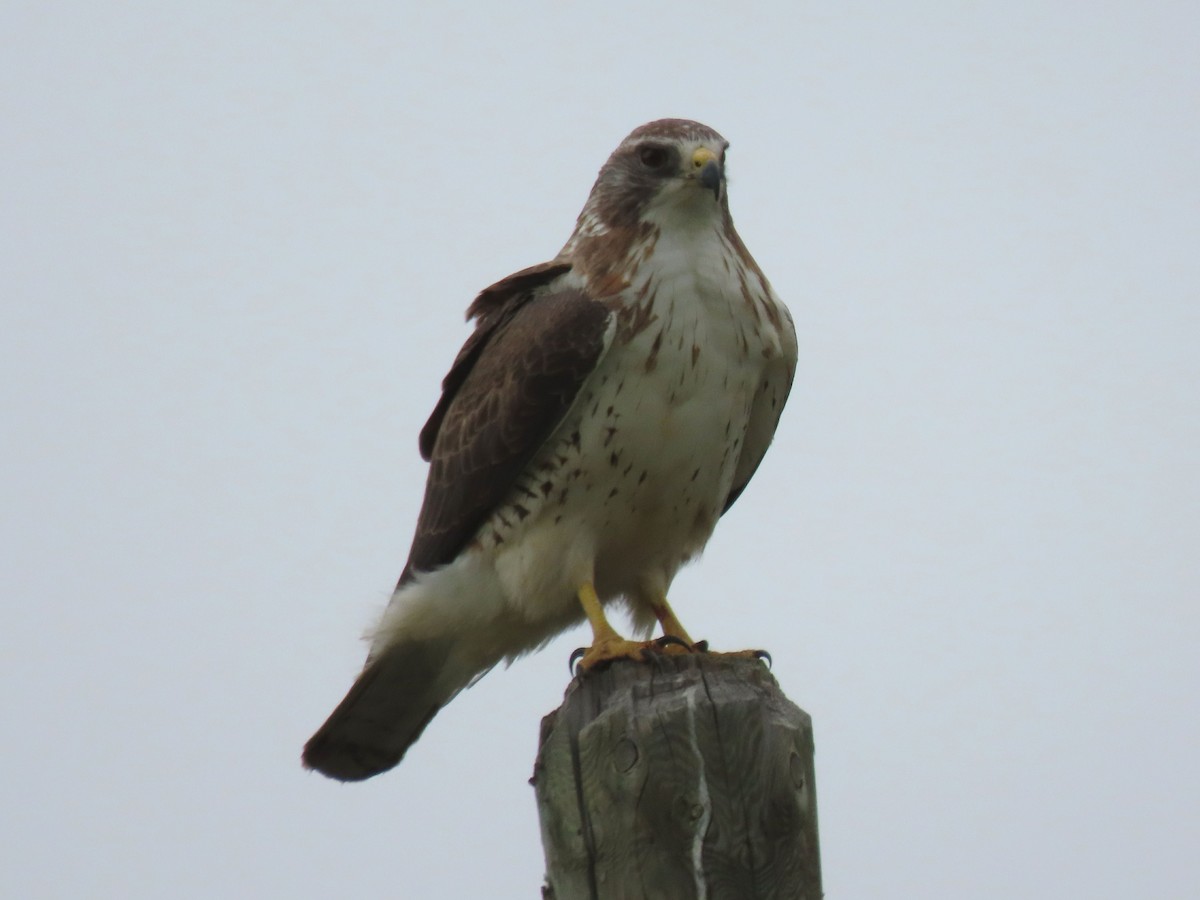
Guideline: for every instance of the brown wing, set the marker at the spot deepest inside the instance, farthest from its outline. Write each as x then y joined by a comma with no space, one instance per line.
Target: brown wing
492,307
512,383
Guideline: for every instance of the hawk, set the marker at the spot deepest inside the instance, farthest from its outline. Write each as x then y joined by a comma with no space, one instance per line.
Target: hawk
610,405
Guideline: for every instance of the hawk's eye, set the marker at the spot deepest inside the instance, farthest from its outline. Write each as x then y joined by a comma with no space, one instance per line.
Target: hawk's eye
654,156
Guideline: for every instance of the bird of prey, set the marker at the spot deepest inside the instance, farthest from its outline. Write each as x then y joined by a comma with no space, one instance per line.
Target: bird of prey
610,405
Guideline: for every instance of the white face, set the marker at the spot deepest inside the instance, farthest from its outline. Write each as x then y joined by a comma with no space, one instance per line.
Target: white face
690,193
669,172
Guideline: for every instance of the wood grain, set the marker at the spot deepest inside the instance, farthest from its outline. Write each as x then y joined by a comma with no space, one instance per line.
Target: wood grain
686,776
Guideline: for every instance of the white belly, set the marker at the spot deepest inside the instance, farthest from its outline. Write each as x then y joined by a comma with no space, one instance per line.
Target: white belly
631,486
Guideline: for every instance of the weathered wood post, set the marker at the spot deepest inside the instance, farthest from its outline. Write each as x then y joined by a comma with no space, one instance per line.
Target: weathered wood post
687,776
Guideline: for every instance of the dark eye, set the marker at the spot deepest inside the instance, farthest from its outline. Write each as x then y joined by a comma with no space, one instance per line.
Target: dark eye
654,157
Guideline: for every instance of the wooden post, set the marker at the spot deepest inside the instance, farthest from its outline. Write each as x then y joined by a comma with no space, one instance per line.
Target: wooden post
686,776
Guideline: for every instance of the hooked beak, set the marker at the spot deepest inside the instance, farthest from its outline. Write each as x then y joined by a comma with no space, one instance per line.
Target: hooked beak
706,168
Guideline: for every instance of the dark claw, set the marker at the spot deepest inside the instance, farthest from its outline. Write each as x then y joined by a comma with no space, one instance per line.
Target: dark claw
576,656
668,639
700,646
764,655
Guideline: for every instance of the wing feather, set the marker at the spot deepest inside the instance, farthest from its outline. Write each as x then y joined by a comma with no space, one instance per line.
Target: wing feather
510,387
493,307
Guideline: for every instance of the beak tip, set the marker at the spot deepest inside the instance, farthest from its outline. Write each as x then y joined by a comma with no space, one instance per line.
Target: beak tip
711,177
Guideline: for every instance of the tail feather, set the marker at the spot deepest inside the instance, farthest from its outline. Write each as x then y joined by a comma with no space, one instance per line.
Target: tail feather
442,631
385,711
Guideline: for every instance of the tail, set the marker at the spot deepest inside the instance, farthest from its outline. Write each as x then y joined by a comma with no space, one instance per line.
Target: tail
386,709
441,632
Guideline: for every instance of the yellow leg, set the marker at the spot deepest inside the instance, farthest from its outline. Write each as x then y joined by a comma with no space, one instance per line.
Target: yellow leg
682,641
671,625
607,645
602,631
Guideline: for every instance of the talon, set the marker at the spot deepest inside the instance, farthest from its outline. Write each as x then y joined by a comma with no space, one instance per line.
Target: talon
761,656
576,655
700,646
668,640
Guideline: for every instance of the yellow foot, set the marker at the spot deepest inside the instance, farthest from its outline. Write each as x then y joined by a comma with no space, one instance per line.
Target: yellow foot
608,650
604,652
607,645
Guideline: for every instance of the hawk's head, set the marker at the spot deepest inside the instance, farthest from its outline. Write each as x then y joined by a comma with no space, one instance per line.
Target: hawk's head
667,170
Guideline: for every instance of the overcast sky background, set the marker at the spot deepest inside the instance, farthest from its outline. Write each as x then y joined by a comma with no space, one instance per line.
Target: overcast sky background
238,241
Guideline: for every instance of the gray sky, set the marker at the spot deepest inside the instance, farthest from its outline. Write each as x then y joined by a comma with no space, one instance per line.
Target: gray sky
238,240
